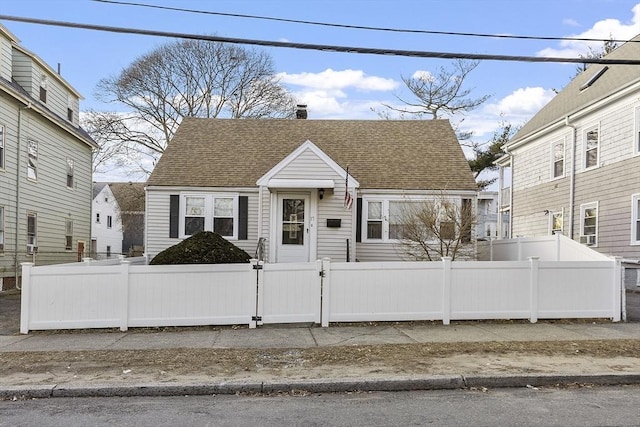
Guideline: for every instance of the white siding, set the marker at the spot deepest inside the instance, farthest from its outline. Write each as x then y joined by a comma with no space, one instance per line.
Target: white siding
157,216
105,204
611,184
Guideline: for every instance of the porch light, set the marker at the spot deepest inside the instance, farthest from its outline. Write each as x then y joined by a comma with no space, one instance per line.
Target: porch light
321,193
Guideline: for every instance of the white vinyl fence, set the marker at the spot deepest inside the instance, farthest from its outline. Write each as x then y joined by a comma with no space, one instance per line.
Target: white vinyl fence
126,295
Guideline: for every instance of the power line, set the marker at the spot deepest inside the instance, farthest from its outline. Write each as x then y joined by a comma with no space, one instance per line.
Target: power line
357,27
325,48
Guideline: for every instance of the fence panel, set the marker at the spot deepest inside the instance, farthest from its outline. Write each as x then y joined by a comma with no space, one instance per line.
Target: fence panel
188,295
576,289
291,293
73,298
490,290
385,291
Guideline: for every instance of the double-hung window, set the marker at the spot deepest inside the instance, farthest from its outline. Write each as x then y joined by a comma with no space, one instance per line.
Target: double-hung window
635,219
109,221
591,147
68,238
209,212
2,155
589,223
32,232
557,222
374,220
557,159
70,169
1,229
32,160
43,87
636,133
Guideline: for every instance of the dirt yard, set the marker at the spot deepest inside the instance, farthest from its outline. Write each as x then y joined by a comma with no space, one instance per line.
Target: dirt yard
201,365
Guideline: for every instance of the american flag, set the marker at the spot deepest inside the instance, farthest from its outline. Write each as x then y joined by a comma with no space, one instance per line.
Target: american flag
348,200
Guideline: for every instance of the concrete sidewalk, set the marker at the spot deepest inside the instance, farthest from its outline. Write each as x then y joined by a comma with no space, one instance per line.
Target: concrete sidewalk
454,371
313,336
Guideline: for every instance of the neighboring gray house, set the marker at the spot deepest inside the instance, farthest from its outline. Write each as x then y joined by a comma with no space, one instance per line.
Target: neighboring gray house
45,164
286,181
575,166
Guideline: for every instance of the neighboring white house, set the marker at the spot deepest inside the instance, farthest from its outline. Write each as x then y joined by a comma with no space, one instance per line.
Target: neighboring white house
575,166
286,181
106,225
487,215
45,164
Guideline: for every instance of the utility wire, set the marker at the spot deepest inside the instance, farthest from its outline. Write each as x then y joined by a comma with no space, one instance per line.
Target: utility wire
357,27
326,48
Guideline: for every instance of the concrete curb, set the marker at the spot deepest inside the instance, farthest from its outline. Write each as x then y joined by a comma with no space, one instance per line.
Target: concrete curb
315,386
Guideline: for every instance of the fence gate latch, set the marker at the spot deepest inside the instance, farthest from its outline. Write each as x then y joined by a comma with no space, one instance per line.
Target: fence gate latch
321,273
257,266
256,318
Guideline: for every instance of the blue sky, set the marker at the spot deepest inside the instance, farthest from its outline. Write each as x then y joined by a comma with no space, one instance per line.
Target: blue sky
342,85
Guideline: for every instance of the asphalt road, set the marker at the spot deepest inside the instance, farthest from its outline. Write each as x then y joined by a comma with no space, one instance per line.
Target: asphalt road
577,406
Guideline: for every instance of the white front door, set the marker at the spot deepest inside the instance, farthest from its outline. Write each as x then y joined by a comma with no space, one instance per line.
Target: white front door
292,234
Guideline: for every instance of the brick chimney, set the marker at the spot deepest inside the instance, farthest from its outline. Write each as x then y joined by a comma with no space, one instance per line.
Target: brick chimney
301,112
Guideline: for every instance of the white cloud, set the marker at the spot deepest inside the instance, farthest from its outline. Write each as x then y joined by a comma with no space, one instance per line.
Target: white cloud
570,22
521,102
331,79
603,29
421,74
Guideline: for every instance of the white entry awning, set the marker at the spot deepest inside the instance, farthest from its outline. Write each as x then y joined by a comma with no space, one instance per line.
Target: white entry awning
300,183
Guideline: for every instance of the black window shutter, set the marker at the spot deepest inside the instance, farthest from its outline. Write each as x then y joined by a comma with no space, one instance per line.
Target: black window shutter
359,219
243,217
174,215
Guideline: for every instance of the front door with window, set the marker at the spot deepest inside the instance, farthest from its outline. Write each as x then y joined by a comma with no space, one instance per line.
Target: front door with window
293,228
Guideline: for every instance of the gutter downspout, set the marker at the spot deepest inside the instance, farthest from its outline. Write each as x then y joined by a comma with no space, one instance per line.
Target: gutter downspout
510,233
18,163
572,177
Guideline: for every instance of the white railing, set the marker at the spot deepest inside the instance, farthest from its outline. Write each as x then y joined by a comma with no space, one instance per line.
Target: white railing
125,295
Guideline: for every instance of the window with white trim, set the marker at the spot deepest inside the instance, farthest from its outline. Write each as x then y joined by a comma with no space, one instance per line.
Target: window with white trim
556,219
591,147
384,220
635,219
209,212
636,134
2,152
589,223
557,161
1,229
109,221
32,232
32,159
97,217
68,234
44,81
70,170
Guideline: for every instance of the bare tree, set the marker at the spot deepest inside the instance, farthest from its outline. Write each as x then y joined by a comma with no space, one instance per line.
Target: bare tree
190,78
441,93
431,229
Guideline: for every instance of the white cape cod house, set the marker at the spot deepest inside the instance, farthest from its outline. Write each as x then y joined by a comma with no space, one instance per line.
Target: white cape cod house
286,182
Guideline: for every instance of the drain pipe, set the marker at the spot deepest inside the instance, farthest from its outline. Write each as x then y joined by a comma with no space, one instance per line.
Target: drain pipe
572,177
19,162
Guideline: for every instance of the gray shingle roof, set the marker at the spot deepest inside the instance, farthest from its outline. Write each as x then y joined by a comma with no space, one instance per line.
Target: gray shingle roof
384,154
571,99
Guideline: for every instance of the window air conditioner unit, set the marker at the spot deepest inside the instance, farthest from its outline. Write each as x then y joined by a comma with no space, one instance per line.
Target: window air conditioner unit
31,249
588,240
